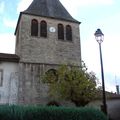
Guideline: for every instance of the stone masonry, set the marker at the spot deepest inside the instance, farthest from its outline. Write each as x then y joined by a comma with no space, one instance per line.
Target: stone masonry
38,54
47,50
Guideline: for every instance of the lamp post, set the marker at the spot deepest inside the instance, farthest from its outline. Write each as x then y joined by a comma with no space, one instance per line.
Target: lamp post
99,36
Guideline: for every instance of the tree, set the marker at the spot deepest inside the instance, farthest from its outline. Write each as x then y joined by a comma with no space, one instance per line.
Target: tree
71,83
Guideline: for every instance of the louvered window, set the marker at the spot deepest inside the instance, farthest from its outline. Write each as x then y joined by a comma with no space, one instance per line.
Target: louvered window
43,29
68,33
60,31
34,27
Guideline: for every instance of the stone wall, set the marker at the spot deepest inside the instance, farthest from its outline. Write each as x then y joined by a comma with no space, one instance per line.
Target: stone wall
31,88
47,50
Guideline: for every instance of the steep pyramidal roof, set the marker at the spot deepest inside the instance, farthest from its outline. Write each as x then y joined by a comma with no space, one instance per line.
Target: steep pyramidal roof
49,8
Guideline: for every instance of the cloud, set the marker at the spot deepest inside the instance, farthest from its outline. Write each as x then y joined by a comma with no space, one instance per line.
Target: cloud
95,2
7,43
87,2
74,6
111,58
71,5
110,87
9,23
111,55
2,6
110,46
23,4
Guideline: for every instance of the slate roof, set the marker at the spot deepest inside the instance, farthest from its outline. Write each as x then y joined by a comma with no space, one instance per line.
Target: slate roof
49,8
9,57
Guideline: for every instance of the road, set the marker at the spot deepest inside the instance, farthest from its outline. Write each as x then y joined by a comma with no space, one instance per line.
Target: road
113,107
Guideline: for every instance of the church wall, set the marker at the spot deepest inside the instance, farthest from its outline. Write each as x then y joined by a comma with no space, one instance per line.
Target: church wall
38,54
48,50
32,90
8,89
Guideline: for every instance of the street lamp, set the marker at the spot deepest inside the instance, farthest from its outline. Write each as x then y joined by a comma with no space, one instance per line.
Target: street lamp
99,36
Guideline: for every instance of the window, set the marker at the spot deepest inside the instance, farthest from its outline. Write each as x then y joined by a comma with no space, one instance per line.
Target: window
68,33
60,32
1,77
43,29
51,75
34,27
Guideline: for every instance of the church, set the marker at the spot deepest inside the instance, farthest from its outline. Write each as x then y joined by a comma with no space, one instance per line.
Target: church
46,37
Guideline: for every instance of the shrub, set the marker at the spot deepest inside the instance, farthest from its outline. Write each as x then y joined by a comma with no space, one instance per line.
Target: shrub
49,113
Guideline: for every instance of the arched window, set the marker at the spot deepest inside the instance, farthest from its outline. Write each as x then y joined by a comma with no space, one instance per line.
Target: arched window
60,31
34,27
43,29
68,33
51,75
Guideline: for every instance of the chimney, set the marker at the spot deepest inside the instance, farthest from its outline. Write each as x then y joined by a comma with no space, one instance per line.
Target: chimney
117,89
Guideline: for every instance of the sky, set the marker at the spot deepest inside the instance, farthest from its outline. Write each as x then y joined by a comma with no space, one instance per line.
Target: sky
93,14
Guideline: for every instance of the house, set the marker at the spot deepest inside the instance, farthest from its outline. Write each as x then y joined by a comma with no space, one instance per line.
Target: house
8,78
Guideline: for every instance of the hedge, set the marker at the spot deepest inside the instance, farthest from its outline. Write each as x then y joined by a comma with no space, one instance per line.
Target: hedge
49,113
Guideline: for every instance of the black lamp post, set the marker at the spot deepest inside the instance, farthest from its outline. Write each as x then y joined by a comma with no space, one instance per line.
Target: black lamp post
99,36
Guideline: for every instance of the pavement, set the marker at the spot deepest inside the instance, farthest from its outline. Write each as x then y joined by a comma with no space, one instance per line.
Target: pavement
113,107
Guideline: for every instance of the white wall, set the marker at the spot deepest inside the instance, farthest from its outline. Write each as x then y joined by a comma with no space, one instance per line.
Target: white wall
8,91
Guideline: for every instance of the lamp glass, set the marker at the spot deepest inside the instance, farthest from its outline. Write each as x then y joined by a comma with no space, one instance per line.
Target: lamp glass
99,36
99,39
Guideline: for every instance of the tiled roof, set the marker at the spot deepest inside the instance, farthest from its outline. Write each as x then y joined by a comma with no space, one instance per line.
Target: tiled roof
49,8
9,57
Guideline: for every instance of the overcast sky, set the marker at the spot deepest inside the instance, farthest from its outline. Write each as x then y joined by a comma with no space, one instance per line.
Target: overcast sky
103,14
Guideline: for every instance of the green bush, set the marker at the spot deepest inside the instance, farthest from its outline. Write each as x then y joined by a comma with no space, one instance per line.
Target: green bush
49,113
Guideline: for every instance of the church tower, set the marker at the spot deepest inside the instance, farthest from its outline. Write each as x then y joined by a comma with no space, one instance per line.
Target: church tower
46,36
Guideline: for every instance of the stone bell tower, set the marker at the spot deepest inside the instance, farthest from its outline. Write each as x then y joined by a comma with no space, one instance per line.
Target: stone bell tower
46,36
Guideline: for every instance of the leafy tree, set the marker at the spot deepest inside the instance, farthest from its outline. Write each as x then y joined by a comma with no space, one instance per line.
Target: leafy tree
71,83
